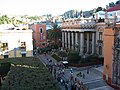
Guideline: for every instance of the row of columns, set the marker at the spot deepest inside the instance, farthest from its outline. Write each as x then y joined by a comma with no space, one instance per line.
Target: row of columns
72,41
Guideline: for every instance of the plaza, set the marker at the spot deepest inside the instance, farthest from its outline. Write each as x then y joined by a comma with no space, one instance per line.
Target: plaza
93,80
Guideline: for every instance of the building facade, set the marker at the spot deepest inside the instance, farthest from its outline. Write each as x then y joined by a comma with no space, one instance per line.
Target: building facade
15,42
112,47
79,34
112,56
39,35
100,38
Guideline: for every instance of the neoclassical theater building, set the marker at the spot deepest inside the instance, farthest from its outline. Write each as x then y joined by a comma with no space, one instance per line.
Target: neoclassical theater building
83,35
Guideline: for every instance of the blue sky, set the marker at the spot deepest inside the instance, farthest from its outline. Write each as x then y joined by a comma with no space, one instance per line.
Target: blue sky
54,7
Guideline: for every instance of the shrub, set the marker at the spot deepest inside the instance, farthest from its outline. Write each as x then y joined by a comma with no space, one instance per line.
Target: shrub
62,54
56,57
4,68
28,74
55,46
91,58
73,57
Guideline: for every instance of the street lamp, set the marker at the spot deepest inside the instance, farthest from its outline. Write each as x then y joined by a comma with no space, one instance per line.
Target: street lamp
59,43
97,48
62,53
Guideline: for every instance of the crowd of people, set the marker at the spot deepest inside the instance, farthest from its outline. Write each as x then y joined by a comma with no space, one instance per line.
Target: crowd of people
57,69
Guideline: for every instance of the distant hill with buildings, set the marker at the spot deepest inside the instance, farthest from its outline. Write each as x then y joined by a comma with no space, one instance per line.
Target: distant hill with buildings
76,13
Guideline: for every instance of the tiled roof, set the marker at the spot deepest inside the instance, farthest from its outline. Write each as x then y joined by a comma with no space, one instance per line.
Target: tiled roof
115,8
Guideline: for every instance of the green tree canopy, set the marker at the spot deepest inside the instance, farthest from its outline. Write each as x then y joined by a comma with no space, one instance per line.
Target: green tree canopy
55,33
99,9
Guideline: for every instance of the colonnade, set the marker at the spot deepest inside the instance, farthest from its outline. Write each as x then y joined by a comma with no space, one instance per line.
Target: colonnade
84,42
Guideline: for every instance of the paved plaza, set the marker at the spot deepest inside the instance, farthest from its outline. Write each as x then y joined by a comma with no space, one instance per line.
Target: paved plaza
92,74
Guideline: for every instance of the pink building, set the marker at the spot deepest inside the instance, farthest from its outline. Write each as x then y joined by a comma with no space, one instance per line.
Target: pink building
39,35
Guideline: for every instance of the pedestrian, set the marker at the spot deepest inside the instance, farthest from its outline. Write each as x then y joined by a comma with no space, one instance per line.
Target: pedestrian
87,71
83,76
45,54
63,71
78,86
66,85
47,60
71,71
80,74
61,81
54,73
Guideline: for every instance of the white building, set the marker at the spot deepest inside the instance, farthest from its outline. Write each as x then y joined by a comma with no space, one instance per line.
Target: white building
14,42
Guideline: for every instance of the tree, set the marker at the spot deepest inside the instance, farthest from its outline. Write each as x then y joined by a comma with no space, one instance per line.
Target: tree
111,4
99,9
5,19
55,34
81,12
73,13
76,14
118,2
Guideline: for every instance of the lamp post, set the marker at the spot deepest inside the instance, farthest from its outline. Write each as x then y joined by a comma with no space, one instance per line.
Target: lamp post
97,48
62,54
60,43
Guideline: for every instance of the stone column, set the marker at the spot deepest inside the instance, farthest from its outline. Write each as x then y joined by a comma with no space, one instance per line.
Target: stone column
87,42
69,40
76,38
93,43
81,43
72,41
63,39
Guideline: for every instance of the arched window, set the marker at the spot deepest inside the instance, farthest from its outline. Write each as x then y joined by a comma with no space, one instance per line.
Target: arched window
41,30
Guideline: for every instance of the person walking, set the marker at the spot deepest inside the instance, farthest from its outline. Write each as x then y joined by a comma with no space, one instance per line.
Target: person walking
66,85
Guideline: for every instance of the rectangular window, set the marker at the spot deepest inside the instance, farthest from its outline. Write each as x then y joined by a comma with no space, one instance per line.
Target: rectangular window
100,36
23,45
4,46
41,36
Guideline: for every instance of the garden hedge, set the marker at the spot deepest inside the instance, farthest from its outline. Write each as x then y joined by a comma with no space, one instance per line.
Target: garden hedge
28,73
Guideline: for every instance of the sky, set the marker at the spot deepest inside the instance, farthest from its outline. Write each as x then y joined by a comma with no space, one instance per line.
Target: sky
54,7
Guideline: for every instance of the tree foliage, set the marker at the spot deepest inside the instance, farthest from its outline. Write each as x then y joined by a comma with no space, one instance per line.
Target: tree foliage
117,2
28,74
99,9
34,17
111,4
4,19
55,33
